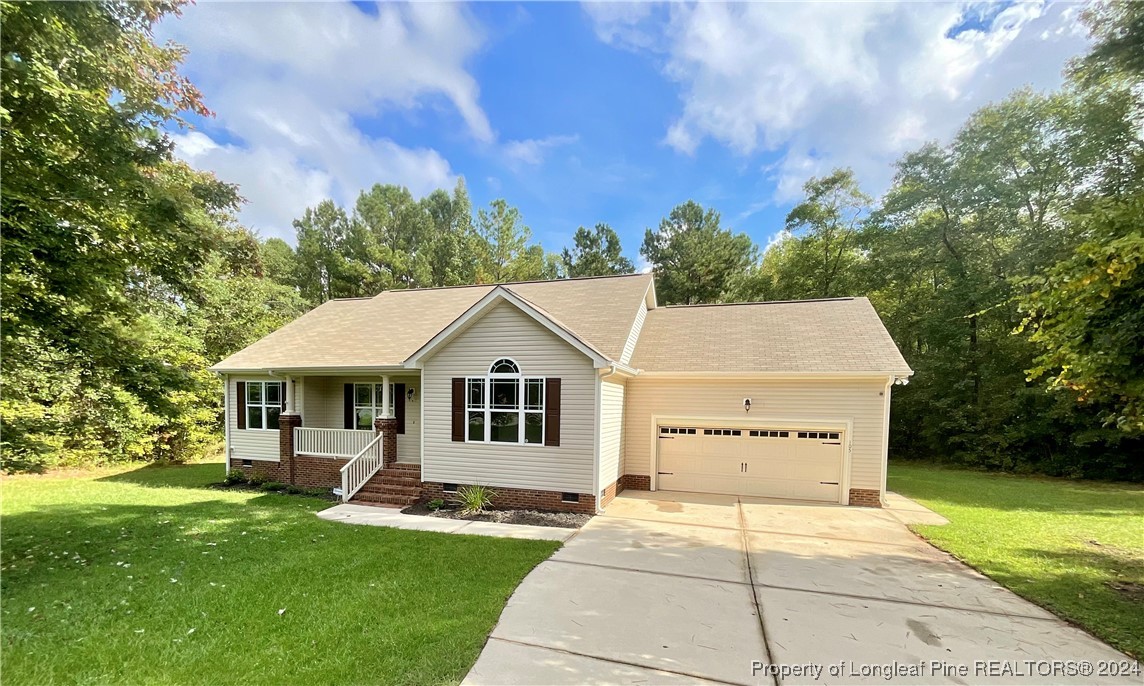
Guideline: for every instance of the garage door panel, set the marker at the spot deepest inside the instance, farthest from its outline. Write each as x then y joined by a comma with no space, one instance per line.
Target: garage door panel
751,462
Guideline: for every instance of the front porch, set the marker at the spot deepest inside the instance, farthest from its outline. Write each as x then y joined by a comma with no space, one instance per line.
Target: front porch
356,435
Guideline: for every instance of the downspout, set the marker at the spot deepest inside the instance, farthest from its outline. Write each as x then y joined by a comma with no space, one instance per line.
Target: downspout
886,436
599,426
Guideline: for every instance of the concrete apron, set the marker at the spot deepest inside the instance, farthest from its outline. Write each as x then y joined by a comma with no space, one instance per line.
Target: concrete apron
687,588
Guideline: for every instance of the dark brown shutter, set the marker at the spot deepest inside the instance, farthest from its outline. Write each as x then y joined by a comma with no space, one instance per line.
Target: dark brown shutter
240,388
399,406
282,395
348,407
458,409
552,412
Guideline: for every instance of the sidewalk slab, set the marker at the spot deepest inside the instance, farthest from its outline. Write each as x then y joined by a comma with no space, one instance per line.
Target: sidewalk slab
393,518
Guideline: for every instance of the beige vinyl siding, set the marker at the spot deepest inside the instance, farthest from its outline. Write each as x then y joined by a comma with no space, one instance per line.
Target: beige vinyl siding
611,432
859,401
249,444
505,331
634,336
325,408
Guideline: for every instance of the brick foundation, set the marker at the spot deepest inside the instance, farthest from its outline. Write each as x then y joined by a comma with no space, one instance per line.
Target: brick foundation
634,482
267,469
520,498
309,471
865,497
609,493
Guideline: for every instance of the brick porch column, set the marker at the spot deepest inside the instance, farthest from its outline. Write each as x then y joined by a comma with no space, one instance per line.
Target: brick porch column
286,424
387,427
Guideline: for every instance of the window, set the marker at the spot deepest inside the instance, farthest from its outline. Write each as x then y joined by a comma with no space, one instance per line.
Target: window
449,488
569,497
722,432
676,430
368,404
766,433
818,435
263,404
504,406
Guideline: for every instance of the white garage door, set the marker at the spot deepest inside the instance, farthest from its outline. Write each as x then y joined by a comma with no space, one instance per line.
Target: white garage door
772,462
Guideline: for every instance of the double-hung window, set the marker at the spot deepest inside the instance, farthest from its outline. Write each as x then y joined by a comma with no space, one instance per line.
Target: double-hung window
263,404
505,406
368,404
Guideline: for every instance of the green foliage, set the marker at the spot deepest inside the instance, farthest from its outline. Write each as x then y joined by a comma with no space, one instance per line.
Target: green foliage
435,504
595,252
474,499
235,478
1086,314
1117,28
695,260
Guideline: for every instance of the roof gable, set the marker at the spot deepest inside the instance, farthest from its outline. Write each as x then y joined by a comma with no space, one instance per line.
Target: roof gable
499,295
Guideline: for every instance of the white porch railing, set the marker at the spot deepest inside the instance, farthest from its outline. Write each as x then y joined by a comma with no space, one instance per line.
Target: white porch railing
330,442
361,468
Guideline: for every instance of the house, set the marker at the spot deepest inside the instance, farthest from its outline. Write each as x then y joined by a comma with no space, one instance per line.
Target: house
560,394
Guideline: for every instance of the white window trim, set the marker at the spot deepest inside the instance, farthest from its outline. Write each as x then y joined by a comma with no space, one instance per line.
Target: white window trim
486,382
246,403
375,408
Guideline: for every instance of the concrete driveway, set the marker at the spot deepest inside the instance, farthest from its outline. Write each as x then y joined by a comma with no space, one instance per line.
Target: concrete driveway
673,588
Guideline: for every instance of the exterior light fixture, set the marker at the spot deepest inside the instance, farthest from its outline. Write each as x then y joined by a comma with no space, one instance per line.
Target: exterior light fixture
747,404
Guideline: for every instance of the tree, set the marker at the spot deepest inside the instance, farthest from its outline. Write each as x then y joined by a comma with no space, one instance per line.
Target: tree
93,198
1117,30
330,247
397,236
595,252
453,254
104,234
279,263
694,259
504,252
826,225
1086,313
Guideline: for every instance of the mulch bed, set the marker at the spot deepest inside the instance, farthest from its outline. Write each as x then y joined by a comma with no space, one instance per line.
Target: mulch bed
567,520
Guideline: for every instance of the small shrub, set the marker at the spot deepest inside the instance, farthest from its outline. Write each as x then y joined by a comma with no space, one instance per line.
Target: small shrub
435,504
273,486
475,498
235,478
258,479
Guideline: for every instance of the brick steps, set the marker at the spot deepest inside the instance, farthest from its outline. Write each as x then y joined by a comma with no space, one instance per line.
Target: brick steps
398,485
384,500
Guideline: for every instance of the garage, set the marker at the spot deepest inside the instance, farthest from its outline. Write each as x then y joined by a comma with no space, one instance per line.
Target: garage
769,462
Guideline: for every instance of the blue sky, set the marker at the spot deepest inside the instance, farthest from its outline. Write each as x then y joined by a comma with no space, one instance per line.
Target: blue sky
599,112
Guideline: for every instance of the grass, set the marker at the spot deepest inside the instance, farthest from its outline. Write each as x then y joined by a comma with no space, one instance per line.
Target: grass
147,576
1073,547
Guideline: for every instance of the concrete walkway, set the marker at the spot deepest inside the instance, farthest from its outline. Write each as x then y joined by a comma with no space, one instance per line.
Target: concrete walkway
688,588
392,517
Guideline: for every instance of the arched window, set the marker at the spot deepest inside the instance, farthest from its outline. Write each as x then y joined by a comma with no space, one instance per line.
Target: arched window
504,366
504,406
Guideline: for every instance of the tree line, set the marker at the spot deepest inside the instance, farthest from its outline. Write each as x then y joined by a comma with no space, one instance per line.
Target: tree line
1005,262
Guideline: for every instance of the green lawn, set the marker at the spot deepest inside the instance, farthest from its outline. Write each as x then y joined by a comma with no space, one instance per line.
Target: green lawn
146,576
1074,547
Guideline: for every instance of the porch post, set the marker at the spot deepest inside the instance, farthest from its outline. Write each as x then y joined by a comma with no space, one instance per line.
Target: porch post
386,410
289,395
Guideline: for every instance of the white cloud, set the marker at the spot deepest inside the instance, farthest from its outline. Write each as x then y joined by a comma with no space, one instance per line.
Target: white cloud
533,150
288,80
829,84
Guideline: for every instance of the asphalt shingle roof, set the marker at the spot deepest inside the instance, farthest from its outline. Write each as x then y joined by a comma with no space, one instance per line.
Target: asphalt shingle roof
386,329
835,335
